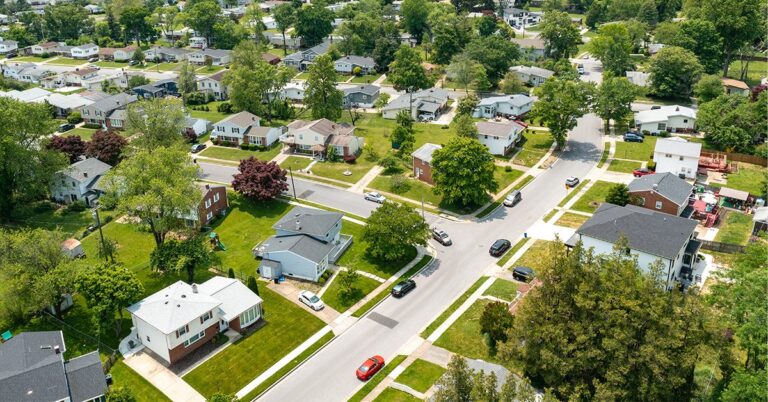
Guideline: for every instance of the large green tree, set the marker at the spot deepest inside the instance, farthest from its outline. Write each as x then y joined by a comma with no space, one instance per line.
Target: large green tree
285,17
613,101
733,123
560,103
449,35
674,71
463,172
612,47
559,35
708,88
322,96
314,23
495,53
406,72
156,123
187,80
136,24
393,229
202,16
108,289
415,13
66,22
464,71
701,38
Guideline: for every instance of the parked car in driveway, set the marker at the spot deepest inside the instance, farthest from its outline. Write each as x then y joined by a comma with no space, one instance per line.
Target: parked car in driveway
403,288
66,127
632,137
523,274
375,197
197,148
572,182
311,300
499,247
642,172
513,198
370,367
441,237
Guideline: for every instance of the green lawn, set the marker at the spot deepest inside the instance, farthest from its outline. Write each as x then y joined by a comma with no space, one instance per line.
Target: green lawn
295,162
504,178
287,326
549,215
535,145
111,64
302,76
213,115
32,59
508,255
356,257
71,223
376,130
748,178
638,151
374,300
165,66
66,61
463,336
378,378
395,395
336,170
237,154
573,193
333,297
593,197
756,70
124,376
604,156
623,166
735,228
536,256
453,307
571,220
365,79
85,134
209,70
420,375
503,289
415,189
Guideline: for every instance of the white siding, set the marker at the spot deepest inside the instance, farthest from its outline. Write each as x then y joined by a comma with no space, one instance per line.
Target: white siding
676,164
151,338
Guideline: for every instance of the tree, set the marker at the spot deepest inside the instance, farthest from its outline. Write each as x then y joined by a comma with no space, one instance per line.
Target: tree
415,13
648,13
708,88
260,180
674,71
157,187
407,74
487,25
463,172
314,23
157,122
733,123
404,136
251,25
66,22
511,84
612,47
485,387
618,195
227,34
467,105
494,323
71,146
613,101
665,32
560,103
138,56
701,38
137,80
108,289
465,126
180,256
457,382
746,386
136,24
26,169
449,35
393,230
381,101
495,54
106,146
596,14
285,17
120,394
252,80
202,16
253,285
166,19
321,95
463,70
187,80
559,35
347,280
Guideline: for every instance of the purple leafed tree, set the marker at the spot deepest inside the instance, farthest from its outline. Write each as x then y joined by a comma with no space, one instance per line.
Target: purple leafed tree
259,180
72,146
106,146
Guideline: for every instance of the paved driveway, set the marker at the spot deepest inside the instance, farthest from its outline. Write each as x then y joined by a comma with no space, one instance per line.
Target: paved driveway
162,378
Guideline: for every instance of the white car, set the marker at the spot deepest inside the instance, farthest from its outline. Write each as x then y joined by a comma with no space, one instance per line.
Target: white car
311,300
375,197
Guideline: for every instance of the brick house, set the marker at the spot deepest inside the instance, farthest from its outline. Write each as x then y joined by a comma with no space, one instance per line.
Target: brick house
422,162
213,203
663,192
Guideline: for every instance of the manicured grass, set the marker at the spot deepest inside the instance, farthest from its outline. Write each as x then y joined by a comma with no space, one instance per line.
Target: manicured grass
453,307
287,326
536,256
638,151
492,207
549,215
415,189
395,395
593,197
302,76
333,297
213,115
377,378
336,170
111,64
66,61
376,130
504,178
735,228
573,193
71,223
165,66
535,145
85,134
209,70
420,375
508,255
604,156
571,220
464,337
296,163
379,297
32,59
365,79
125,377
756,70
503,289
748,179
356,257
237,154
622,166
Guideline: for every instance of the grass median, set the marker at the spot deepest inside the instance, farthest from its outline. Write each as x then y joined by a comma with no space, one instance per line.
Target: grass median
573,193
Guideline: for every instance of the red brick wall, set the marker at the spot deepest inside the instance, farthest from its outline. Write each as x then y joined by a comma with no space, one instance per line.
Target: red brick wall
426,171
180,351
216,207
667,206
235,324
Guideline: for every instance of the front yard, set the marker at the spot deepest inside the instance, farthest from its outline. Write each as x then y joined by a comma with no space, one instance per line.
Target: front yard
593,197
395,395
463,336
356,257
735,228
111,64
346,172
536,256
637,151
504,178
503,289
333,297
365,79
420,375
408,188
65,61
85,134
237,154
571,220
535,145
623,166
125,377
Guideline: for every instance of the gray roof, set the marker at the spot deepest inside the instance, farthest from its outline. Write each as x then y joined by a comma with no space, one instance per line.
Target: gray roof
365,89
358,61
149,88
429,107
215,52
425,152
314,222
31,373
537,71
648,231
305,246
527,43
401,102
319,49
241,119
667,185
86,377
114,102
90,168
498,129
514,100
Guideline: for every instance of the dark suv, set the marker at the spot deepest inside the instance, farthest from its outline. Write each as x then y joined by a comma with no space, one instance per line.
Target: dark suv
499,247
523,274
403,288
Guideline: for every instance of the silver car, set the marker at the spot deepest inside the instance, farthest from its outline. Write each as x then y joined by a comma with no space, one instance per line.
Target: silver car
375,197
311,300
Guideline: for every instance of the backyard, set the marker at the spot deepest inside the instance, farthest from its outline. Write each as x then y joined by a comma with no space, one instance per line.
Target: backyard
535,145
748,178
237,154
755,71
212,114
71,223
735,228
591,200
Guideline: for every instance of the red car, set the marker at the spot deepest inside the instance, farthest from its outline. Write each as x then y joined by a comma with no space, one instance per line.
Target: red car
369,368
642,172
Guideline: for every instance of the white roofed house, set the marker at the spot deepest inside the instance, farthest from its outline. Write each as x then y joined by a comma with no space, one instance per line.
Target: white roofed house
677,156
347,64
85,51
8,46
293,91
531,48
214,85
63,105
499,137
218,57
44,48
512,106
78,181
317,136
533,76
245,128
671,119
427,103
180,318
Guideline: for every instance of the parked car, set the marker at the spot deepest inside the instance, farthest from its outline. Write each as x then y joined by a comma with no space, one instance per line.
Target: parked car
10,55
642,172
523,274
572,182
133,62
426,117
369,368
499,247
655,107
513,198
632,137
580,69
375,197
441,237
66,127
93,66
311,300
197,148
403,288
93,59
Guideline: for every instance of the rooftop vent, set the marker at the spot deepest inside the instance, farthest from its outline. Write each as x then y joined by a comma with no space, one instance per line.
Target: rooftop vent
57,349
655,186
194,288
85,174
298,225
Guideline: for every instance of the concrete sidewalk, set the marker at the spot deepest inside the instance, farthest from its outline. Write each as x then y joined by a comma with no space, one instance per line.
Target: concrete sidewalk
162,378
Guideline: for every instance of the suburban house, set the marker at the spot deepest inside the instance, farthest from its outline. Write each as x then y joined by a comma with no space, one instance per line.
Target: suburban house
663,192
75,78
654,48
760,221
198,42
302,59
533,76
166,54
213,203
427,104
28,95
214,85
44,48
305,242
293,92
148,91
170,85
85,51
639,78
34,74
531,48
245,128
77,182
671,119
732,86
422,162
677,156
108,112
35,370
63,105
499,137
218,57
347,64
8,46
94,9
180,318
197,126
651,236
13,70
117,54
361,96
512,106
276,39
519,18
317,136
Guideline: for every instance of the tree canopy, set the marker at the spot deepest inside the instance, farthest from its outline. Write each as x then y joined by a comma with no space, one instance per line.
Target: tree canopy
314,23
559,35
322,96
463,172
560,103
108,289
674,71
612,47
734,123
613,101
393,229
156,122
260,180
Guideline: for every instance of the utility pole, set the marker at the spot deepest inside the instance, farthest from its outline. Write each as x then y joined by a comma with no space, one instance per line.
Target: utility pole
422,207
293,185
101,233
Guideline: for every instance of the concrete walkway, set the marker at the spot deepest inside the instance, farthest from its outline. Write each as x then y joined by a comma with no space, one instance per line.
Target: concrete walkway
361,184
162,378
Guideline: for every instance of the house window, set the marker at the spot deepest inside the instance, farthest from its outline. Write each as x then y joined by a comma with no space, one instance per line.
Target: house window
681,158
235,130
249,316
194,338
658,204
207,316
662,126
667,155
208,203
685,121
301,136
418,172
181,331
216,197
148,338
209,216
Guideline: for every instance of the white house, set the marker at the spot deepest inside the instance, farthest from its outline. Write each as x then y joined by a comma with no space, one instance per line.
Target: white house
78,75
677,156
7,46
531,48
499,137
317,136
671,119
197,126
293,91
639,78
94,9
43,48
269,22
13,70
651,236
519,18
512,106
180,318
218,57
533,76
34,74
429,103
85,51
245,128
198,42
347,64
213,85
77,182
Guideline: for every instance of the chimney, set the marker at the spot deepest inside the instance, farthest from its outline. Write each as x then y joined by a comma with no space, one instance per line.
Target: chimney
298,225
677,109
194,288
655,186
85,174
207,186
57,349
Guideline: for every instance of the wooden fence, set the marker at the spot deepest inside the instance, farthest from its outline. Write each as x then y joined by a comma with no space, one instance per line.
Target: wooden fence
737,157
721,247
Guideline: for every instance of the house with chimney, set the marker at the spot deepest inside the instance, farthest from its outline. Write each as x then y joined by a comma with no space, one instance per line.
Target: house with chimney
109,112
212,203
663,192
78,182
245,128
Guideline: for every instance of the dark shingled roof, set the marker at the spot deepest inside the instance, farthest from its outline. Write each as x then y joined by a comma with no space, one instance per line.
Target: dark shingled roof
313,222
86,377
667,185
305,246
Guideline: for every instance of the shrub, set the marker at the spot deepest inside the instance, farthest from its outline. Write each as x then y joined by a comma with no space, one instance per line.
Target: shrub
92,125
399,184
507,168
190,136
225,107
225,143
86,232
390,163
215,141
107,219
253,147
245,147
646,132
351,159
663,134
197,98
43,206
231,273
74,118
45,55
651,165
108,202
76,206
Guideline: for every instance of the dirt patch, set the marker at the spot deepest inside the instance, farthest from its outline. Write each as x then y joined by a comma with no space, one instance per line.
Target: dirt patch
128,219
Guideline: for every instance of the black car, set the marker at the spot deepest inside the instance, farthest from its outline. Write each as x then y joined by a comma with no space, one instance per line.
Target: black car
523,274
10,55
441,237
403,288
66,127
499,247
632,137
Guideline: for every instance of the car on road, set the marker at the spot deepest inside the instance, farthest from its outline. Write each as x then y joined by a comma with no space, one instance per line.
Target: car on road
441,237
403,288
513,198
93,66
197,148
572,182
66,127
370,367
93,59
375,197
311,300
655,107
642,172
523,274
632,137
499,247
580,68
585,57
